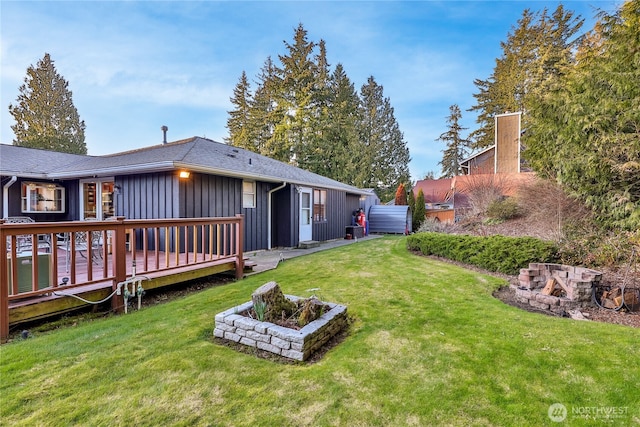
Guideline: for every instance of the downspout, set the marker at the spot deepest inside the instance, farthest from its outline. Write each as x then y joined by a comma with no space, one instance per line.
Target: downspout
5,196
284,184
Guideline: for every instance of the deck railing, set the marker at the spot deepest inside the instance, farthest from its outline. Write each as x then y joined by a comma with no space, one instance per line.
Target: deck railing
42,257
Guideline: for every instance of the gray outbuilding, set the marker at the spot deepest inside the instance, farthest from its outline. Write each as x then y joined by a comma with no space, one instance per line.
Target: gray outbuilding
390,219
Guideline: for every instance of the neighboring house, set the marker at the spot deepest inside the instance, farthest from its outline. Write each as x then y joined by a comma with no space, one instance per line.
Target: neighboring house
439,196
197,177
449,198
504,155
499,167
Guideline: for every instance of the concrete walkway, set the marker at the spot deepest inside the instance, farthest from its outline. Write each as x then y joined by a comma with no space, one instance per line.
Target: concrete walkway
269,259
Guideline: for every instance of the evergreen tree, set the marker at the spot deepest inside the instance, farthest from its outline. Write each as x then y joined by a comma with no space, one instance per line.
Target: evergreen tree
584,129
45,115
298,74
383,152
419,214
340,144
304,114
456,149
411,200
536,51
239,122
266,111
317,154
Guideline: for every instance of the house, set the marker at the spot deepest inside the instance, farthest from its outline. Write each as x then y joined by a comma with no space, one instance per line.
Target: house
282,205
448,199
504,155
498,167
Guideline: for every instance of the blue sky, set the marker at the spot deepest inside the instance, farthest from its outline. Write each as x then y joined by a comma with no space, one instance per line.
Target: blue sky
134,66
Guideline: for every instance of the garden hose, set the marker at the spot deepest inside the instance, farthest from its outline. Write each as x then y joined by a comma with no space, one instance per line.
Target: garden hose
623,303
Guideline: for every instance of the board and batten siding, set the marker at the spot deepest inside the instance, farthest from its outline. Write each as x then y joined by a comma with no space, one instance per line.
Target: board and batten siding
147,196
338,210
286,212
256,228
164,195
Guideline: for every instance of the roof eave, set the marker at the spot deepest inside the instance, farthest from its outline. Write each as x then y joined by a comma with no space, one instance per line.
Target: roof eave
171,165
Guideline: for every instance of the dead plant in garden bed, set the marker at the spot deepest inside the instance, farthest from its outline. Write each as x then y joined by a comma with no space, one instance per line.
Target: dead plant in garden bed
271,305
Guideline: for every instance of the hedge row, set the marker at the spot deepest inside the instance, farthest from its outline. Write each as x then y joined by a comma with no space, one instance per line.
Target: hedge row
494,253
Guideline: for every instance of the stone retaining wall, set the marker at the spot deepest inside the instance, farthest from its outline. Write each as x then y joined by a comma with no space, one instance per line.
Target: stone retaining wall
290,343
578,281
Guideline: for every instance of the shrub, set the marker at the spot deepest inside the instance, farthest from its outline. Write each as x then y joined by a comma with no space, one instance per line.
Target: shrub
494,253
432,225
595,248
484,189
545,201
503,209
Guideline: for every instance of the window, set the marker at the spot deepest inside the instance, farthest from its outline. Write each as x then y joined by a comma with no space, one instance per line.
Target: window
42,197
248,194
319,205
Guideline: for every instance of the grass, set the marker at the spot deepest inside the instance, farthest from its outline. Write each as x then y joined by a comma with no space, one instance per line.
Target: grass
429,346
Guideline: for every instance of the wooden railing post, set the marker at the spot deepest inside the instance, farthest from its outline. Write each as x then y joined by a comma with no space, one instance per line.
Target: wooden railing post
4,287
226,247
119,250
239,246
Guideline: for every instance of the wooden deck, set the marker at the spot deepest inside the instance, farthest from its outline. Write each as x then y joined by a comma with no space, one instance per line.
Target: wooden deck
166,252
55,300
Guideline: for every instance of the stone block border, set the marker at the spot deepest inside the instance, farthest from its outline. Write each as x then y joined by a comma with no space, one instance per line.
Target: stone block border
286,342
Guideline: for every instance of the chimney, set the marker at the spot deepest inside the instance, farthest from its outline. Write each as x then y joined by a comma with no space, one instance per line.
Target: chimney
164,134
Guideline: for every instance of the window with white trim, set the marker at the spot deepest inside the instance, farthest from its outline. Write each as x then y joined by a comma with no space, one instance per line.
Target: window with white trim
248,194
319,205
42,197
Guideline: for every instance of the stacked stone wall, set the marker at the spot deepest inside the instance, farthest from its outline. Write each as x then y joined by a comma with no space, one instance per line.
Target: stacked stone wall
286,342
577,283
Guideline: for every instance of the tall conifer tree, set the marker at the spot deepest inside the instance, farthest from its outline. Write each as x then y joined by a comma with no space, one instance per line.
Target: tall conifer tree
420,212
298,73
267,110
45,115
338,146
239,122
536,50
585,128
304,114
383,152
456,149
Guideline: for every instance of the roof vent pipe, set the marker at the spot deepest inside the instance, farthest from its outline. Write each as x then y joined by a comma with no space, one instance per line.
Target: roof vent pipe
164,134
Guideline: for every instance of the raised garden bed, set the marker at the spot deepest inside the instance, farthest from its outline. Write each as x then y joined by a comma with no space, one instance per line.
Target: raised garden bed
236,324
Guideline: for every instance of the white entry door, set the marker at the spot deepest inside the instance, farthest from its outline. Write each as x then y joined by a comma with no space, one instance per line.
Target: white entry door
306,229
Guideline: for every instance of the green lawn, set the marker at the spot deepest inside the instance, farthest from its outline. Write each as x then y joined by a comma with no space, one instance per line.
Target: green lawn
429,346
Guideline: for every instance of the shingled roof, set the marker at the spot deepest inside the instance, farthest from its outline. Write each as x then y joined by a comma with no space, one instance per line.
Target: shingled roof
195,154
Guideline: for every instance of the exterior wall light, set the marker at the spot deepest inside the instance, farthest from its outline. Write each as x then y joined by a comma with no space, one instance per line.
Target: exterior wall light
184,174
